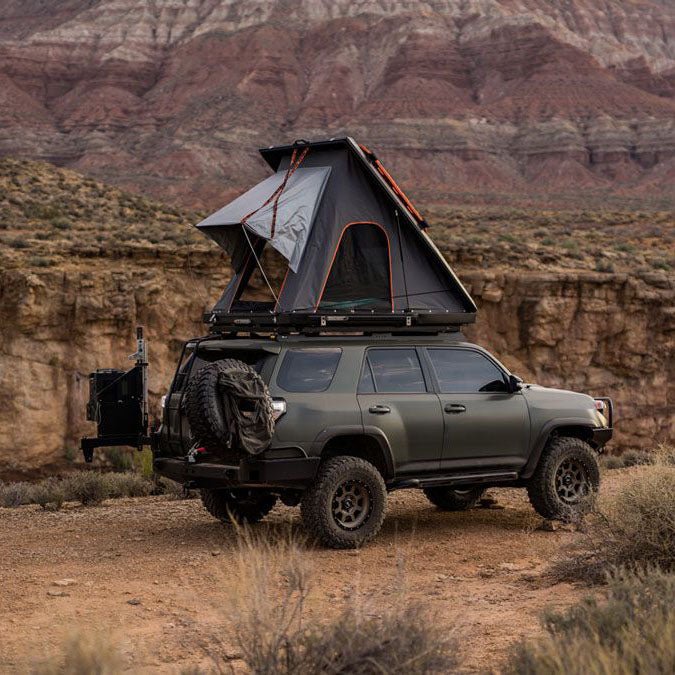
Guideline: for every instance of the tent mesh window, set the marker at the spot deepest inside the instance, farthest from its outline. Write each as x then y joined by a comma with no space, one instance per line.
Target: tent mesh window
360,274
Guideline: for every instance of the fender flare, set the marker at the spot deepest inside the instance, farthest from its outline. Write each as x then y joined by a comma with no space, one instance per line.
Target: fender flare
545,434
375,433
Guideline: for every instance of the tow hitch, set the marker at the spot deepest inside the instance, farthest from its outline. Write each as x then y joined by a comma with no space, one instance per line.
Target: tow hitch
118,403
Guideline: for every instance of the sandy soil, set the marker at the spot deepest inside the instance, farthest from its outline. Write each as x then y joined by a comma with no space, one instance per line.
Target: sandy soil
480,572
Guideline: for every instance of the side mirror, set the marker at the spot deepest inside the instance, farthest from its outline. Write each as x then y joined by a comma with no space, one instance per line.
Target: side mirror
515,383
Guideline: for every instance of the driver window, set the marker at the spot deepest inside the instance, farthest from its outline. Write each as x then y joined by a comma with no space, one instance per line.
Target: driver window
463,371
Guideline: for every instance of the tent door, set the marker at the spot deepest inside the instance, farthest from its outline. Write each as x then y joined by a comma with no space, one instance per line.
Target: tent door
359,277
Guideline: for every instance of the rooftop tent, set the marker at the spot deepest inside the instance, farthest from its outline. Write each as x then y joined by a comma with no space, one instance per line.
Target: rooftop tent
294,214
353,243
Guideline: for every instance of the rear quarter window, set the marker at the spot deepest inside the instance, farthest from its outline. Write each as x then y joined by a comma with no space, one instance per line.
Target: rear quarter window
308,370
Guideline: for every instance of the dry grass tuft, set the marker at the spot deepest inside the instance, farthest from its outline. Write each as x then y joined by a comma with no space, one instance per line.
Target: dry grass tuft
273,586
632,631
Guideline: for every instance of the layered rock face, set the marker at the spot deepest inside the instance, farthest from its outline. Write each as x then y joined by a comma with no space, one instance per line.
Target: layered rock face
597,333
171,97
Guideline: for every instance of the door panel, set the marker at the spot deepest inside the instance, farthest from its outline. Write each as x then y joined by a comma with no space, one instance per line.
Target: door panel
393,397
483,426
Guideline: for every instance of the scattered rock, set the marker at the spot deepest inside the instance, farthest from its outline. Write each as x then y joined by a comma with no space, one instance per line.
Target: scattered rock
64,582
512,567
215,552
57,594
133,601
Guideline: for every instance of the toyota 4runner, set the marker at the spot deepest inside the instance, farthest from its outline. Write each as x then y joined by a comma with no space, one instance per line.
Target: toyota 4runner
352,418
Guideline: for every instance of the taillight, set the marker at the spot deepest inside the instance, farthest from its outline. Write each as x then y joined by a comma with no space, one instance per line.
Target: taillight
279,407
600,406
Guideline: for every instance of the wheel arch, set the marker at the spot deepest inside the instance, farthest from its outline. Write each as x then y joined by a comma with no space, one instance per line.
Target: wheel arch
572,427
368,443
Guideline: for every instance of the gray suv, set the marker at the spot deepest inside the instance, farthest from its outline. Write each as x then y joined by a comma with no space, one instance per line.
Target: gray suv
355,417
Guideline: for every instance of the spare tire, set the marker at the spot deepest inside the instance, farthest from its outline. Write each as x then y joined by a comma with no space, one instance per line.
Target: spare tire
229,409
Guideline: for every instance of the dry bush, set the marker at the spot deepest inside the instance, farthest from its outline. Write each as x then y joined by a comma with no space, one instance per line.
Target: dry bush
87,487
273,585
127,484
84,656
636,529
15,494
630,632
49,493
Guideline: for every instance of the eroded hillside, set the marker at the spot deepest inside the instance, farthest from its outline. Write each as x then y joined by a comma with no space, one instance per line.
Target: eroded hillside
580,299
508,96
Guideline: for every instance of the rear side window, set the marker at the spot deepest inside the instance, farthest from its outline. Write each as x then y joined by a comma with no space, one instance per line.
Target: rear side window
308,370
394,371
462,371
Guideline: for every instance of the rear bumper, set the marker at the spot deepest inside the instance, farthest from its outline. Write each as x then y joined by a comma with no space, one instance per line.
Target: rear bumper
282,473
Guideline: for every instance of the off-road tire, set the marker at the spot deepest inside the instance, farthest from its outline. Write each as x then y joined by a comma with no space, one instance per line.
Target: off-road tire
240,505
204,410
542,487
320,502
447,499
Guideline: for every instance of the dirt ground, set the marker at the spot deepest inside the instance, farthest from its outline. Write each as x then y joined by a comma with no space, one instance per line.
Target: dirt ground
480,572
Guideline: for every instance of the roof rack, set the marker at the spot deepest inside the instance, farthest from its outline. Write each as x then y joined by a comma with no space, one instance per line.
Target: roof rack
334,322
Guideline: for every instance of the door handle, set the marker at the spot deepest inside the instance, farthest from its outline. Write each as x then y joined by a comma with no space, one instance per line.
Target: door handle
455,408
379,409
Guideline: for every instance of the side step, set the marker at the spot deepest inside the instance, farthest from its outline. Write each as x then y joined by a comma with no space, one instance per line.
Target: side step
455,479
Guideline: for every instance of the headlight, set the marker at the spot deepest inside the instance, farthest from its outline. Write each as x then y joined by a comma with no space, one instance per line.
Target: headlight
279,407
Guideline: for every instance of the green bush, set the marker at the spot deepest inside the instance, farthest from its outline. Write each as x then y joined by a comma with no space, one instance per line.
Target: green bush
630,632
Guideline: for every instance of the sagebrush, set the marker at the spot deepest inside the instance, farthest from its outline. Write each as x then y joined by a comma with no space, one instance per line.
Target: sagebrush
87,487
629,632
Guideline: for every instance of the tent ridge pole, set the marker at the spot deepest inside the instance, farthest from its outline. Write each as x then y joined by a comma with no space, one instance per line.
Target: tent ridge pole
400,251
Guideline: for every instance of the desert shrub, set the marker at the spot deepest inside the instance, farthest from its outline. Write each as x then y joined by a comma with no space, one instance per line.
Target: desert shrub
15,494
87,487
50,493
664,455
273,585
637,458
631,631
612,462
84,655
635,530
126,484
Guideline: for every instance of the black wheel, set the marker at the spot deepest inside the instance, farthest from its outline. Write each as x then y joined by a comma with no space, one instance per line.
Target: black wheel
566,480
240,505
447,499
344,508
